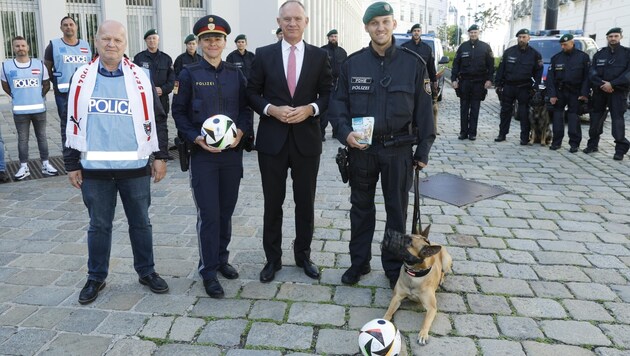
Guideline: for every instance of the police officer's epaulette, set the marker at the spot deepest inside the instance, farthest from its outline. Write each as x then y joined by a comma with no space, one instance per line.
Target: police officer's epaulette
229,65
193,66
357,52
405,49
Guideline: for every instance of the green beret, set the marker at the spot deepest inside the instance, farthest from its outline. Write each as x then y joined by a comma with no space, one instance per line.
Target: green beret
566,38
416,26
473,27
332,32
380,8
614,30
189,38
240,37
150,32
279,30
522,31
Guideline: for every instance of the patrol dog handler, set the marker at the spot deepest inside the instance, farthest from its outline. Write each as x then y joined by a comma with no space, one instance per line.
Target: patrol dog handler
391,84
115,122
208,88
610,80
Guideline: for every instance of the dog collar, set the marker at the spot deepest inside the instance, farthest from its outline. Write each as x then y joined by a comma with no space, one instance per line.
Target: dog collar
420,273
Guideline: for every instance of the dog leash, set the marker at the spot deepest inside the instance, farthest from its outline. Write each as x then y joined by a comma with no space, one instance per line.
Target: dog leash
416,228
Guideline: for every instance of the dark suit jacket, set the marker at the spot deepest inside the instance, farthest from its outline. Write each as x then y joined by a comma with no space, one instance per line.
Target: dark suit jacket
268,85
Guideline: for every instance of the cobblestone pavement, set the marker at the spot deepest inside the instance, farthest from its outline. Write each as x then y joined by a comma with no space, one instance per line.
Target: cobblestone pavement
542,270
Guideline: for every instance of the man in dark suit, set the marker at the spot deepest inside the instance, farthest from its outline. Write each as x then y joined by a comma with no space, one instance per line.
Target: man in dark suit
289,87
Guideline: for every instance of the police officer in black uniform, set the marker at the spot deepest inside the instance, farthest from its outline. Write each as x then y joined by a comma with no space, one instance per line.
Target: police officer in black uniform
424,50
519,72
473,69
241,57
208,88
610,80
159,64
336,56
188,57
392,85
567,85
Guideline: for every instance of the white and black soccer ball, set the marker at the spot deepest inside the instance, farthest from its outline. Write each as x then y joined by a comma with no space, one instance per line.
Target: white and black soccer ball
219,131
379,337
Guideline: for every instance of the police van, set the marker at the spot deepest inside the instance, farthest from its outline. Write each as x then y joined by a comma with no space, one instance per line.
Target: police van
438,55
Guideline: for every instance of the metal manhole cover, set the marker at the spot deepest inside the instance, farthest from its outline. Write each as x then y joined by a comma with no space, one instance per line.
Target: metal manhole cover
456,190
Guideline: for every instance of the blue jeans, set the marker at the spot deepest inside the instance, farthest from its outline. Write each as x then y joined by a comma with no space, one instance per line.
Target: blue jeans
99,196
23,127
61,99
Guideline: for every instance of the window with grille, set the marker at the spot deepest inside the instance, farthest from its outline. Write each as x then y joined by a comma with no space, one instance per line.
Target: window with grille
140,3
19,18
195,4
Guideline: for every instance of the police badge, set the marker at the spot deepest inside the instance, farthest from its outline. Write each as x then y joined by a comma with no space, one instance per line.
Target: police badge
147,128
427,86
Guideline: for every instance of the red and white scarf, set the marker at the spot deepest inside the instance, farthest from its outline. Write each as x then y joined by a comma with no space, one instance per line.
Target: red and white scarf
139,94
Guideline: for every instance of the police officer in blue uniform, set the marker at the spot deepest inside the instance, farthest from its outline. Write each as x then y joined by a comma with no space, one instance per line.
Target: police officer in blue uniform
208,88
473,68
519,72
241,57
567,85
188,57
610,80
392,85
62,58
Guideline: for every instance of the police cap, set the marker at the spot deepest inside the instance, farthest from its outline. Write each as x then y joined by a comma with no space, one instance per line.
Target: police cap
522,31
240,37
332,32
380,8
189,38
211,24
150,32
473,27
566,38
614,30
416,26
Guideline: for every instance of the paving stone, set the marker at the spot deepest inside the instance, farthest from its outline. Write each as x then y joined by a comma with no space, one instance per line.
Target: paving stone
608,249
221,308
488,304
591,291
526,245
540,349
50,296
475,325
586,310
453,283
574,332
445,346
411,321
268,310
607,351
333,341
241,352
475,268
185,329
483,255
550,289
538,307
304,293
46,318
621,311
496,231
607,261
188,350
461,240
157,327
224,332
504,286
561,258
258,290
450,302
353,296
16,315
76,344
33,277
81,320
500,348
132,347
534,234
622,291
519,328
288,336
122,323
382,297
620,334
121,300
487,242
517,271
605,276
561,273
318,314
512,256
512,223
359,316
165,304
5,333
26,341
563,246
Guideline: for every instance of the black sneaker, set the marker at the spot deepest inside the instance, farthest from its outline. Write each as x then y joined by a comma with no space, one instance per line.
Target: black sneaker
156,283
499,138
228,271
90,290
590,149
213,288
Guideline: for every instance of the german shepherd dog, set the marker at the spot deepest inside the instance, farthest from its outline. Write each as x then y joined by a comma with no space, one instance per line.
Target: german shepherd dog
539,120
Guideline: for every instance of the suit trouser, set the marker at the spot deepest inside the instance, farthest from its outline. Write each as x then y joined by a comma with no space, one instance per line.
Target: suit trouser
617,104
273,171
471,93
566,98
510,94
394,165
214,179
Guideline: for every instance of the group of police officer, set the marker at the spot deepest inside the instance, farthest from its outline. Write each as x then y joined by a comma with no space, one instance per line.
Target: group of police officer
572,82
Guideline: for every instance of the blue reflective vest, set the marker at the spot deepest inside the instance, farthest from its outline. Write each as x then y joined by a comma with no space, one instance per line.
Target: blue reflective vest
26,86
66,60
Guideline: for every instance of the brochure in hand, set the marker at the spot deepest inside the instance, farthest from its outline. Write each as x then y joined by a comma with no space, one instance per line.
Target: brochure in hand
364,125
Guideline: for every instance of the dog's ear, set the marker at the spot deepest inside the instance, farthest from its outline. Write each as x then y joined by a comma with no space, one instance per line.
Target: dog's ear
425,233
428,251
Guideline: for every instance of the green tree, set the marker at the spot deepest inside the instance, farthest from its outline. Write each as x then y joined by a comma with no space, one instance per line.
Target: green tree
487,18
454,34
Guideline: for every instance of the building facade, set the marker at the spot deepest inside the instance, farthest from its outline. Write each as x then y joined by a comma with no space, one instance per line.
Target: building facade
39,20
